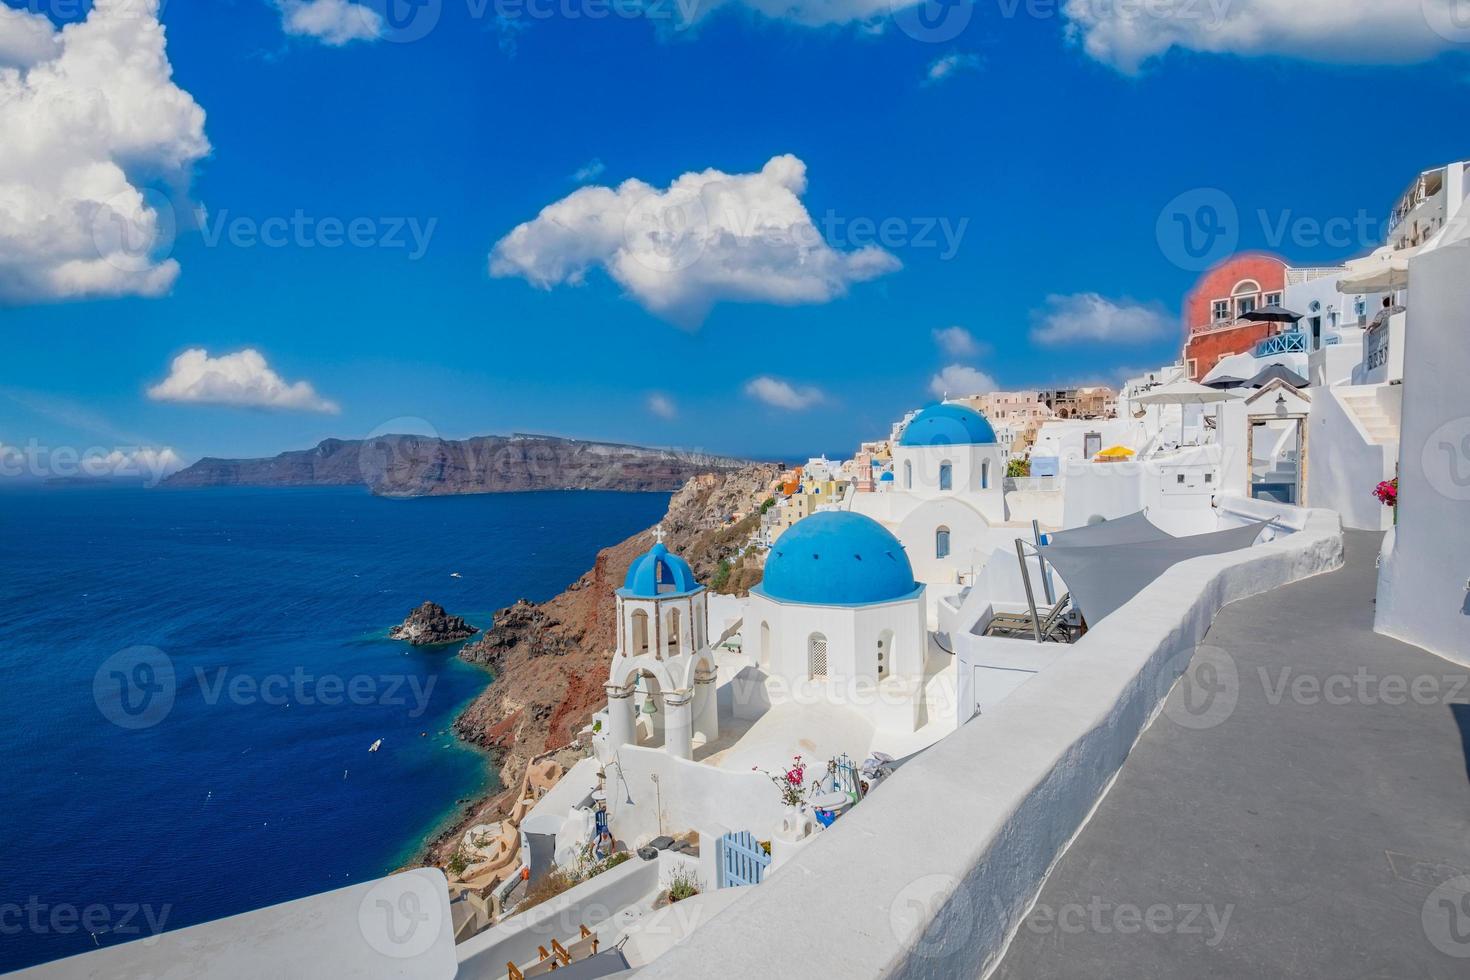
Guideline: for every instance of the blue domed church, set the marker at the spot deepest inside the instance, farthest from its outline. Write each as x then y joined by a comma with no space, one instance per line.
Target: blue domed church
839,612
948,489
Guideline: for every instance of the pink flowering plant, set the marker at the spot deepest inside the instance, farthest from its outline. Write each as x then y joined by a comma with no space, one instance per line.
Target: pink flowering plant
792,783
1387,492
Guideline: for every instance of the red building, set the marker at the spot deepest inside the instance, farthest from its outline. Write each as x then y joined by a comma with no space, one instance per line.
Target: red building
1214,307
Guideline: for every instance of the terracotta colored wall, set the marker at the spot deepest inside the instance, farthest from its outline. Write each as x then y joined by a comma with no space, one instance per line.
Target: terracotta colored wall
1218,283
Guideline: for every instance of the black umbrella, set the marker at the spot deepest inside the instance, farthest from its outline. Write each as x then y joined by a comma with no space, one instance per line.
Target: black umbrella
1224,382
1271,314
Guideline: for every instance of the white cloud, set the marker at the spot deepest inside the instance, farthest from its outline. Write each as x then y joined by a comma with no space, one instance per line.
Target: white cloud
242,378
25,38
86,112
960,380
1088,317
783,394
957,342
662,405
1126,35
710,237
590,170
947,66
333,22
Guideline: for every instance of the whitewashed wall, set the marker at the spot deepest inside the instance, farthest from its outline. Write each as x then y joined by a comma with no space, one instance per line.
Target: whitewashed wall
1422,585
997,801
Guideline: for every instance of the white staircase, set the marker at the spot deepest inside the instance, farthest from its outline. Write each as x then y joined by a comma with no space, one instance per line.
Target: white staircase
1362,402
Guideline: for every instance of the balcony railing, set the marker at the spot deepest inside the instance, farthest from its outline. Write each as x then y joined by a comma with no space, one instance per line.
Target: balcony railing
1283,343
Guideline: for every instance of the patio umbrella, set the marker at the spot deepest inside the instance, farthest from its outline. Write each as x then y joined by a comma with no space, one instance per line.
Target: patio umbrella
1225,381
1271,314
1184,393
1380,271
1113,454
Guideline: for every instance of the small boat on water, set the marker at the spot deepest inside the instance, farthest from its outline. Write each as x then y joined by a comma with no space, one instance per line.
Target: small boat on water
455,575
375,746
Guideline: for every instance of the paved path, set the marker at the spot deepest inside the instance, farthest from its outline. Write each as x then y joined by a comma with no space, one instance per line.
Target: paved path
1300,838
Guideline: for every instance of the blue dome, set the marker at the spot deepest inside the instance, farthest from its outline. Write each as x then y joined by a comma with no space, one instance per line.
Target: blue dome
886,477
947,424
658,573
837,558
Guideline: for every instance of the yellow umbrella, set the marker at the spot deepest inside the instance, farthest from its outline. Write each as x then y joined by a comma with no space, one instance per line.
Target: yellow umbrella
1113,454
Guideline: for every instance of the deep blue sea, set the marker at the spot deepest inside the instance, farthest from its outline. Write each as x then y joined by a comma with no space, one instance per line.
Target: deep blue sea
190,681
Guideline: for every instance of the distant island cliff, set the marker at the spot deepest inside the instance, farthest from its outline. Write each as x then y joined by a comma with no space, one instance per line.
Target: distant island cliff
415,466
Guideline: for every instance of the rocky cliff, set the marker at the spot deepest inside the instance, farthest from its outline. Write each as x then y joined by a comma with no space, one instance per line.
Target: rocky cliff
410,465
430,625
550,659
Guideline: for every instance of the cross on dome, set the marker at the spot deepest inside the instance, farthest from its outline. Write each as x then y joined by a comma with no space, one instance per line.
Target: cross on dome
658,534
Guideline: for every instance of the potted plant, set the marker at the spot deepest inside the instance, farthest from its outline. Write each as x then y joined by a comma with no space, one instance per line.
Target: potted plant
682,885
1387,493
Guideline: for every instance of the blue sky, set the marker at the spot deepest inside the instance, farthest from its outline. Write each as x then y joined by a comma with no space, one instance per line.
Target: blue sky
1047,155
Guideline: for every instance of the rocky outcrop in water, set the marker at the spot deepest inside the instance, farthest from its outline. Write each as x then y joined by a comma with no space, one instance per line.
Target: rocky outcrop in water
429,625
550,659
415,466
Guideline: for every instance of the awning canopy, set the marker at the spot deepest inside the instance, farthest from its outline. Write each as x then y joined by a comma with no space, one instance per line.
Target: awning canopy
1102,577
1120,530
1183,393
1380,271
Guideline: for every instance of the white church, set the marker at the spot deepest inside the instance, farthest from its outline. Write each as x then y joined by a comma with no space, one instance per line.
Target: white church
947,489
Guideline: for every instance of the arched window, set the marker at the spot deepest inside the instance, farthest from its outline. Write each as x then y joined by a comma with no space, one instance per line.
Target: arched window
946,476
908,475
941,542
639,637
985,475
765,644
674,641
816,656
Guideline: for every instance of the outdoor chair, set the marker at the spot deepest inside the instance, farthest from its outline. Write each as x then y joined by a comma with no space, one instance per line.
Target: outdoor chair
1053,624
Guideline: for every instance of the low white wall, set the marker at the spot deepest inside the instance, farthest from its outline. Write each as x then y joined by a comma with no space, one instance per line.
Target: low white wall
591,903
694,796
995,803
